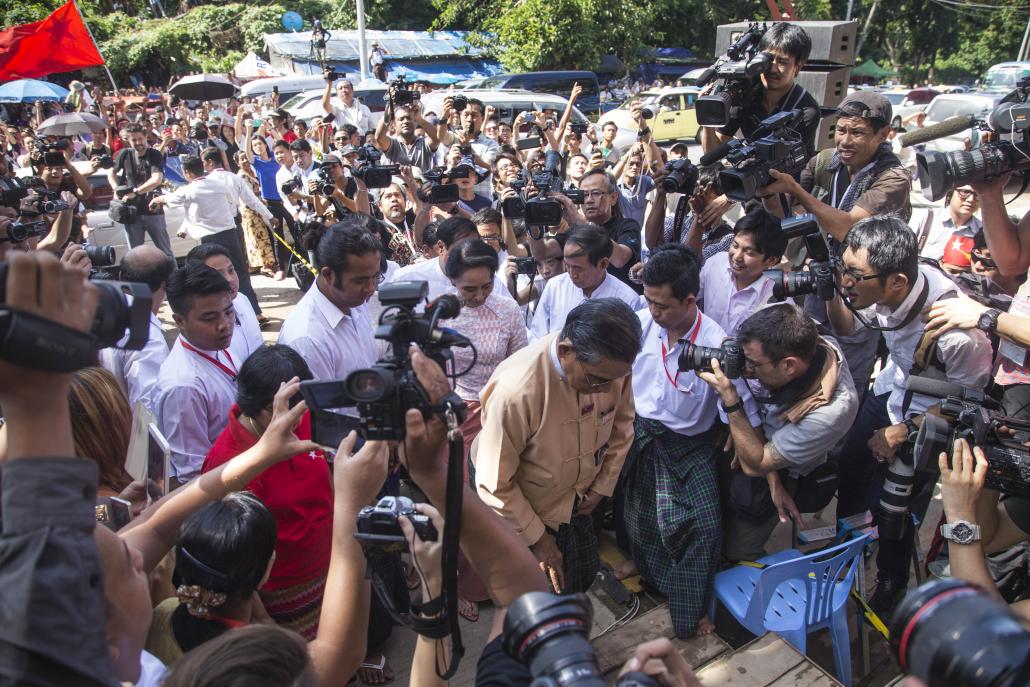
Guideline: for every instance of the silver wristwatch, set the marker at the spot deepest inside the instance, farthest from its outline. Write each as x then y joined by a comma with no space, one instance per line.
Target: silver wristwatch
961,532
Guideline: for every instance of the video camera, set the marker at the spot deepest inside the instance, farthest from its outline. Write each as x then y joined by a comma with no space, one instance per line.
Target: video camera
370,171
384,392
324,185
963,415
50,153
400,95
942,172
778,144
542,211
379,525
550,635
739,70
32,342
435,192
730,355
291,186
818,279
23,231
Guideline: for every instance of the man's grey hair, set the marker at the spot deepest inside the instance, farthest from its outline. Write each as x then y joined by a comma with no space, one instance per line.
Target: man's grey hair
890,244
603,329
610,184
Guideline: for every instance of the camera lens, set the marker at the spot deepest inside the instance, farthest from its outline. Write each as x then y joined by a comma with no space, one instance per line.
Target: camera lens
370,385
548,633
696,358
951,633
100,256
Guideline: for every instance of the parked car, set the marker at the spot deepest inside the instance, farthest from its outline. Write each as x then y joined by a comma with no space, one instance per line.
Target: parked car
306,106
1005,75
508,103
675,119
907,102
555,83
951,104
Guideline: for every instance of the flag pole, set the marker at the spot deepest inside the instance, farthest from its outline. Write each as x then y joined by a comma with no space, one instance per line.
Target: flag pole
91,37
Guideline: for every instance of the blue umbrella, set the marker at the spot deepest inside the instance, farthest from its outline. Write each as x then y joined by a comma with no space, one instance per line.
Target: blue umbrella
31,90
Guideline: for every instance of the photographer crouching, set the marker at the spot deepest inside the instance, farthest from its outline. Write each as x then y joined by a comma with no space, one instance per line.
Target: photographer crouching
806,396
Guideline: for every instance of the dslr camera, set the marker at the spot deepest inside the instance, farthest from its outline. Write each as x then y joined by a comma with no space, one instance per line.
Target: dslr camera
379,527
738,71
526,266
730,355
386,391
292,185
324,185
549,634
514,207
399,93
370,171
105,161
459,102
818,279
50,153
680,177
777,144
942,172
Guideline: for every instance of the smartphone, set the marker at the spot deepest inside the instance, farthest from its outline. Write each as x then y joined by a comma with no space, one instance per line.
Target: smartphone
113,512
158,457
528,143
466,149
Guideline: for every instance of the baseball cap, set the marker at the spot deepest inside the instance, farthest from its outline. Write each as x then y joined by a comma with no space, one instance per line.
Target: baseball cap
867,105
332,160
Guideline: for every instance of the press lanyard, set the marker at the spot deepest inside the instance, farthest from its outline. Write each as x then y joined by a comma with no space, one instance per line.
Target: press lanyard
230,371
835,184
693,337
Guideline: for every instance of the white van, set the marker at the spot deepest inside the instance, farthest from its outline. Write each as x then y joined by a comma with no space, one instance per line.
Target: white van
1005,75
290,86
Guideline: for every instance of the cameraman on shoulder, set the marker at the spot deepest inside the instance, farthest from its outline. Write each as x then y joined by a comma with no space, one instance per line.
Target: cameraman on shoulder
810,396
882,276
788,46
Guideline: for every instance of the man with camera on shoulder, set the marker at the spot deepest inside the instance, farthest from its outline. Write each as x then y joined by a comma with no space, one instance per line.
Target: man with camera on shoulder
806,396
887,290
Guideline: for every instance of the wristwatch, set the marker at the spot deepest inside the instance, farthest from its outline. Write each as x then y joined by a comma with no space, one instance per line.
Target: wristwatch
961,532
988,322
912,428
733,408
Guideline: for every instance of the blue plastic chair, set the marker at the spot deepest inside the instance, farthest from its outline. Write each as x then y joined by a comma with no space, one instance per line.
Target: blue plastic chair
794,595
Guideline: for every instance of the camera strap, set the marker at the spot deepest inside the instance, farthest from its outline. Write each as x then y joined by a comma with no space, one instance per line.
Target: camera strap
452,529
37,343
913,312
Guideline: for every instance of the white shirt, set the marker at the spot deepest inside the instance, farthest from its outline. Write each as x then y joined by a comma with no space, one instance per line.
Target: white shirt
942,228
680,400
152,671
246,337
333,344
431,271
208,210
240,194
723,302
282,175
137,371
560,296
357,114
965,353
487,149
192,402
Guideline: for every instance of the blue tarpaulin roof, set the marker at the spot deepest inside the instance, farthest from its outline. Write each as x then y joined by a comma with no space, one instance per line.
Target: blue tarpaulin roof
342,45
434,71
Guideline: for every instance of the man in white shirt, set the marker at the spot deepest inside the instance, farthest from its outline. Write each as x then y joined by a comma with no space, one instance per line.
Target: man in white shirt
284,156
211,217
936,226
137,371
733,285
330,326
346,109
586,253
448,233
673,534
246,337
197,384
883,280
483,149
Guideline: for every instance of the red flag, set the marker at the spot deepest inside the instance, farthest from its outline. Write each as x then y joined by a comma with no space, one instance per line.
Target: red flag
59,43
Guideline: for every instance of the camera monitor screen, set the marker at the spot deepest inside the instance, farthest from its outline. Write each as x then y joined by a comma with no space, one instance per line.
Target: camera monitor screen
158,456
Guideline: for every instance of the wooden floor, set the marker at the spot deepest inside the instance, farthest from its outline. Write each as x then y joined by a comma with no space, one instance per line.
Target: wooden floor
768,661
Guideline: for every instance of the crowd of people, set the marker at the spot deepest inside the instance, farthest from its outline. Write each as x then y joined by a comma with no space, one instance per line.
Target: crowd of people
582,418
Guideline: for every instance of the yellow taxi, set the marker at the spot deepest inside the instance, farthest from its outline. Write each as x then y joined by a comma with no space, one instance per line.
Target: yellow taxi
674,116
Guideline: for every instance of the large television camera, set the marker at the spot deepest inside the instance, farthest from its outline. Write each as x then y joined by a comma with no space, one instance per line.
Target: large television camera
963,415
1010,121
386,391
778,143
738,71
370,171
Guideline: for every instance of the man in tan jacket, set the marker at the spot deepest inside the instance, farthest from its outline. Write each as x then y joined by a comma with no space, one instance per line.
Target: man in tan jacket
557,424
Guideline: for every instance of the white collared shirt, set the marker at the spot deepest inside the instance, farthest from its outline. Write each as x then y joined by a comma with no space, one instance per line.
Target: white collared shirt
246,337
137,371
680,400
208,210
282,175
722,301
192,400
431,272
357,113
560,296
942,228
333,344
965,353
239,193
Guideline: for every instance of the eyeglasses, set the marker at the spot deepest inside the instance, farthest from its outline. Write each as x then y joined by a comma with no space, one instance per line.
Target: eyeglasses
754,365
594,194
854,276
597,382
964,194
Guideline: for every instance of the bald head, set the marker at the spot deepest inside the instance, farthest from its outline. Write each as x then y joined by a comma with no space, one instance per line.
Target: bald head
148,265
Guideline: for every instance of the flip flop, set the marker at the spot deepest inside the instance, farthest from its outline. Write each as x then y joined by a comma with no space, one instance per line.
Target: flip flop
469,610
380,667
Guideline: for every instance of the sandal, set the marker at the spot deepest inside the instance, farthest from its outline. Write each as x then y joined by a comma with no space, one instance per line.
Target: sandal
469,610
382,674
263,321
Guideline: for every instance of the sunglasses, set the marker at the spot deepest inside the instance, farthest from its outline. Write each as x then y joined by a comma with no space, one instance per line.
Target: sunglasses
987,262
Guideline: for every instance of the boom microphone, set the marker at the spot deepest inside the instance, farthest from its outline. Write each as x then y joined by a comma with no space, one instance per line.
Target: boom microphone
717,153
950,126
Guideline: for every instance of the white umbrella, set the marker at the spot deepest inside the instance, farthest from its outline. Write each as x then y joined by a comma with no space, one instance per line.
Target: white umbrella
71,124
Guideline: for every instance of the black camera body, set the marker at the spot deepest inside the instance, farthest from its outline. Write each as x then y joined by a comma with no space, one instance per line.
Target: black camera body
526,266
738,71
459,102
370,171
542,211
400,95
730,355
49,202
819,279
778,144
105,161
942,172
514,207
579,128
291,186
379,525
680,177
324,184
386,391
435,192
50,153
23,231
